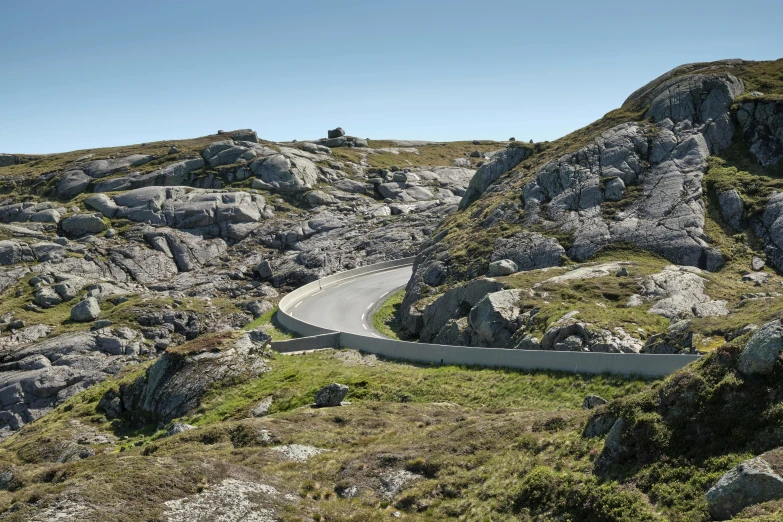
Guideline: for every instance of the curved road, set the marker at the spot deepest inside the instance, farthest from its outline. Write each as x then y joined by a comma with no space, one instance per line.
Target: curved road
348,305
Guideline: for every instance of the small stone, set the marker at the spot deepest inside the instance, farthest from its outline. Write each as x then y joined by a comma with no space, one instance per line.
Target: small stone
111,233
757,263
476,142
331,395
475,154
264,269
173,150
623,272
86,311
512,139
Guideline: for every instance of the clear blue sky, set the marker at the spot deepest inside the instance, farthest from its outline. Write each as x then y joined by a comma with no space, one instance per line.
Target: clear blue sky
83,74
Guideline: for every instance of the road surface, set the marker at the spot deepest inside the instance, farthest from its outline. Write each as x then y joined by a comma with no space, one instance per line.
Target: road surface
348,306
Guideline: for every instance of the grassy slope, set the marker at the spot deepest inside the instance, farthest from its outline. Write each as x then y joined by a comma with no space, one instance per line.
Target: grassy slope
472,433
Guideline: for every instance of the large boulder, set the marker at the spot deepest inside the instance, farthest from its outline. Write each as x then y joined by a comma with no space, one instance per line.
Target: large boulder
493,319
175,384
751,482
79,225
331,395
286,172
73,183
336,133
13,252
86,311
245,135
502,267
762,351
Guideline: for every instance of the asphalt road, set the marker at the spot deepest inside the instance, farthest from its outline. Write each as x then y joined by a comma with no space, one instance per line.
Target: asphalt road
348,306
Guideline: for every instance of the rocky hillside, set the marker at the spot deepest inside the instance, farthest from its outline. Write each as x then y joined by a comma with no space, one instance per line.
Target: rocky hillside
109,257
138,287
655,229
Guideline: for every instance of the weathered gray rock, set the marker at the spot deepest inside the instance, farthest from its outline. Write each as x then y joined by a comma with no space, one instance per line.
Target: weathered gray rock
493,318
762,351
680,290
34,378
13,252
593,401
599,425
491,171
336,133
174,385
264,269
46,216
529,250
614,190
47,297
79,225
318,197
732,207
102,168
262,408
331,395
228,151
757,263
73,183
86,311
751,482
286,172
245,135
502,267
453,304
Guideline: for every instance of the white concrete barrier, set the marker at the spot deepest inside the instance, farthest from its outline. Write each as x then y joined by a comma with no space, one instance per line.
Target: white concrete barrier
580,362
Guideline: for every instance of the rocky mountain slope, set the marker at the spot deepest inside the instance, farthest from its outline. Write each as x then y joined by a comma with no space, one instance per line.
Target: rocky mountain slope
109,257
647,231
138,287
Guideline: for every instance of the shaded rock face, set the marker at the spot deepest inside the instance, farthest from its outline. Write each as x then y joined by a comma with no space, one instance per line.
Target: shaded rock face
770,228
762,127
491,171
37,377
174,385
751,482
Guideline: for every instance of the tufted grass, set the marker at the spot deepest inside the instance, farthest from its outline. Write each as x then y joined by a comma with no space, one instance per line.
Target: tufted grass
386,318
